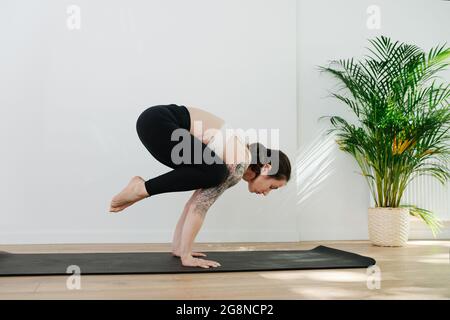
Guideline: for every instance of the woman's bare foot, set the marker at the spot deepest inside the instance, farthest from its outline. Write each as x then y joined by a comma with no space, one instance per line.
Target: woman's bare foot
177,253
190,261
133,192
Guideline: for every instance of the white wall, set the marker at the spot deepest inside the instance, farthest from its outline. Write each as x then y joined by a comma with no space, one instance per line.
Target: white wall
336,208
70,100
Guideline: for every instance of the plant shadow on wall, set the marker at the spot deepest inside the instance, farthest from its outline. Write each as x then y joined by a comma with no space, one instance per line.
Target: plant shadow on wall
314,165
402,128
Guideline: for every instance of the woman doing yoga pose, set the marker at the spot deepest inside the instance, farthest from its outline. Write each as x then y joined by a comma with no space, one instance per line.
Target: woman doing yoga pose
230,160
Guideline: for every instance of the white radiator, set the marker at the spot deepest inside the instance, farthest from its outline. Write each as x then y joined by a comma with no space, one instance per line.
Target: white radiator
428,193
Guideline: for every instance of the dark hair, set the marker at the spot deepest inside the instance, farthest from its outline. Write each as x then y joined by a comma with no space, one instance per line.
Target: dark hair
262,155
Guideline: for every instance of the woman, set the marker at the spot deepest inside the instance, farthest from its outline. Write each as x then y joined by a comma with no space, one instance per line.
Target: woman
233,160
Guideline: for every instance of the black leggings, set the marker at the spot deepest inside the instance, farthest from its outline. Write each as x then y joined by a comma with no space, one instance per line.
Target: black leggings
154,127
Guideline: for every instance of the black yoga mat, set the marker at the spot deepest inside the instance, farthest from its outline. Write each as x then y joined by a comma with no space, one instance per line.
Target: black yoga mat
320,257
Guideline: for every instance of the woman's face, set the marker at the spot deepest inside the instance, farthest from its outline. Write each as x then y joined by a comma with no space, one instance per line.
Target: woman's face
263,183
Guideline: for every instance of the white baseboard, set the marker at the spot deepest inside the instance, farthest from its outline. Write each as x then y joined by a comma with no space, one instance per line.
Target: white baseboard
418,230
140,236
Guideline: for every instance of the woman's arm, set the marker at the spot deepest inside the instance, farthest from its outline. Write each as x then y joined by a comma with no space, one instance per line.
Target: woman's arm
191,227
179,228
195,211
201,202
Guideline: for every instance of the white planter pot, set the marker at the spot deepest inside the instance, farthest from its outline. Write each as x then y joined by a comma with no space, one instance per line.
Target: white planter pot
388,227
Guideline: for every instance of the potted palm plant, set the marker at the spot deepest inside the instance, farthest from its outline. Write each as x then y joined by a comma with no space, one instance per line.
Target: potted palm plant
400,128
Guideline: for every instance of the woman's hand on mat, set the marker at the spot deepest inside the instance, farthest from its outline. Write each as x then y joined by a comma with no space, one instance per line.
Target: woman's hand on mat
190,261
177,253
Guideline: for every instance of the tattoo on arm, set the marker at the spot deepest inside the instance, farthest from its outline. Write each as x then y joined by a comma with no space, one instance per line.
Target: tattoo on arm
203,199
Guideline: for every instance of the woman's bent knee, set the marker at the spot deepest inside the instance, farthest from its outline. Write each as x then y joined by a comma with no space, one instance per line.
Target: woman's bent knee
217,174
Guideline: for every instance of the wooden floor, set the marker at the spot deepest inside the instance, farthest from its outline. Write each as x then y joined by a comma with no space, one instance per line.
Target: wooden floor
421,270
